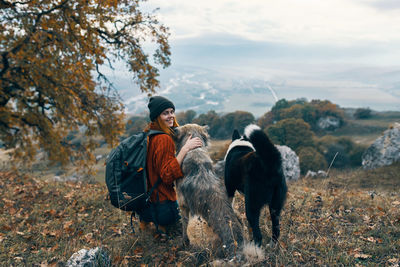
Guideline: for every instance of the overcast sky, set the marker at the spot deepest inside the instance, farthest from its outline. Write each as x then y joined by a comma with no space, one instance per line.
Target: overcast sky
306,43
338,23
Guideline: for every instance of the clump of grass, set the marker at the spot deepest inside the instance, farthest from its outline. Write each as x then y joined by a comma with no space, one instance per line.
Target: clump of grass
350,218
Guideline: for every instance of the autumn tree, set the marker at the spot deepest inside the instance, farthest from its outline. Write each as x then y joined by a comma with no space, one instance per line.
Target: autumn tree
135,125
51,78
235,120
212,120
185,117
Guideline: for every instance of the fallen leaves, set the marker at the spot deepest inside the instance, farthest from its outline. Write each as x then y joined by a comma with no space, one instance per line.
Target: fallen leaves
372,239
358,254
57,221
396,203
361,256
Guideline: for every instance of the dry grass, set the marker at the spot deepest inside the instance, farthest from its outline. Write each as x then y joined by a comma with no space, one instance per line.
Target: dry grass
351,218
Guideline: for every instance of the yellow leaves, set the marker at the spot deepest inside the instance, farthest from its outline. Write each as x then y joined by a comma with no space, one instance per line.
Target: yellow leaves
51,233
306,189
68,226
69,195
372,239
358,254
396,203
51,212
362,256
61,55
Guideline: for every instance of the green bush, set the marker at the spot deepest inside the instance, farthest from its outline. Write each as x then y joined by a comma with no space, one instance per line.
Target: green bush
310,112
348,152
362,113
311,159
294,133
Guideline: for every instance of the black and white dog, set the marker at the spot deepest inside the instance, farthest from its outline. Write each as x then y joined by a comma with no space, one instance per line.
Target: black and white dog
253,166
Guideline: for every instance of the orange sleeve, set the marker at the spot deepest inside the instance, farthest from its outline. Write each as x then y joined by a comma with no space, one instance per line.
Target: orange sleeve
164,159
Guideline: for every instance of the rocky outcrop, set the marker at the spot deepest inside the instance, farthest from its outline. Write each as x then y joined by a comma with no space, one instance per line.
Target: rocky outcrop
328,123
385,150
290,163
318,174
87,258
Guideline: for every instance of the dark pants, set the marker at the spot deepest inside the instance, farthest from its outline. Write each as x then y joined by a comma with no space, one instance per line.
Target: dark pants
162,213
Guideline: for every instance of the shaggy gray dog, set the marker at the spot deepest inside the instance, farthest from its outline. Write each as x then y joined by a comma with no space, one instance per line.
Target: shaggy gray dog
201,192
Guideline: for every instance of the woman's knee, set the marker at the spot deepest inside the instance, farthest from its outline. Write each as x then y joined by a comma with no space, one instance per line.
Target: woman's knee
167,213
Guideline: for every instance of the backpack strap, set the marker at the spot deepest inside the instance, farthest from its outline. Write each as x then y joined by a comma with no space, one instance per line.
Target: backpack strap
158,182
153,188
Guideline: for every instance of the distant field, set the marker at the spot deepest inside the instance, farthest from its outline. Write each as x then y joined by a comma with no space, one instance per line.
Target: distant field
363,131
367,130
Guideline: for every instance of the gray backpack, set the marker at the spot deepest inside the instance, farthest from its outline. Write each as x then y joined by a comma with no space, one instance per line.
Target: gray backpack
126,176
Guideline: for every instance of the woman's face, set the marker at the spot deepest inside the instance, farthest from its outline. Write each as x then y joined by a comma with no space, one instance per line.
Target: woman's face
167,116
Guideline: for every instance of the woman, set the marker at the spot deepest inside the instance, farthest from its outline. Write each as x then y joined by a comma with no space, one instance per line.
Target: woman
163,163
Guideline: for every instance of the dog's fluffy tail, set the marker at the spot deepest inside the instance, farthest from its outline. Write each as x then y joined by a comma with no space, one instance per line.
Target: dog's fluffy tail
263,146
252,253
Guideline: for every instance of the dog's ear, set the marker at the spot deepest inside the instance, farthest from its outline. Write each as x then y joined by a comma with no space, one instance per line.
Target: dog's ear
204,134
177,133
235,135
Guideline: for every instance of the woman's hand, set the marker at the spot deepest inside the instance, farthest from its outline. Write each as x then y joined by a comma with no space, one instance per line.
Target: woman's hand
190,144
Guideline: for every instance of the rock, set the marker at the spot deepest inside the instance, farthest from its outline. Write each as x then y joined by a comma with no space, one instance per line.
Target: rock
318,174
384,151
57,178
98,158
72,178
328,123
290,163
311,174
322,174
89,258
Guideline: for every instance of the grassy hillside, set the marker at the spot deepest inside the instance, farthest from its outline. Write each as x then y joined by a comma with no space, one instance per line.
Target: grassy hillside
350,219
367,130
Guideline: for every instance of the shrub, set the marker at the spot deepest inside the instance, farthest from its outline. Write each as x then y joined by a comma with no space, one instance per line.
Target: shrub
362,113
265,120
310,112
311,159
349,152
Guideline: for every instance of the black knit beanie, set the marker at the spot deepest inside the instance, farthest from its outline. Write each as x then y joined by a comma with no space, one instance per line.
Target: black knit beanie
157,104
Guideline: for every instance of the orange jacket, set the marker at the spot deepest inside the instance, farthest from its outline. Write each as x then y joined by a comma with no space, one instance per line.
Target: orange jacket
161,162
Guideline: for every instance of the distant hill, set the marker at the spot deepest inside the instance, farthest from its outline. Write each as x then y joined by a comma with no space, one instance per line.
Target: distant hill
228,90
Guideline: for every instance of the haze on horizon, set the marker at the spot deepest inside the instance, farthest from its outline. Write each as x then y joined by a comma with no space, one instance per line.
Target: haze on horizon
346,51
